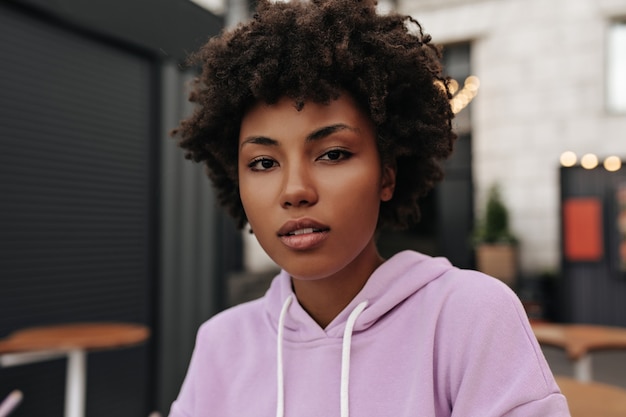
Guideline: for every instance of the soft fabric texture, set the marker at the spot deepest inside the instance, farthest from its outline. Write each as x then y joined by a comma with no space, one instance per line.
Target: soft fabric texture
422,339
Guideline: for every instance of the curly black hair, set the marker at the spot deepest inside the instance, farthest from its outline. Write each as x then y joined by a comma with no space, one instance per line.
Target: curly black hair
314,51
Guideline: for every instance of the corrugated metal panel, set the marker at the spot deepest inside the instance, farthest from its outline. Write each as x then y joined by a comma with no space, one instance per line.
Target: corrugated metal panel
188,246
199,246
76,206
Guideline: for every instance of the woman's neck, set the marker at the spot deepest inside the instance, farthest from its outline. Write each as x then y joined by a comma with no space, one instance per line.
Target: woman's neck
325,298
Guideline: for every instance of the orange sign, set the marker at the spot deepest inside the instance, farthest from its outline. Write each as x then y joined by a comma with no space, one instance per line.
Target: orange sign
582,229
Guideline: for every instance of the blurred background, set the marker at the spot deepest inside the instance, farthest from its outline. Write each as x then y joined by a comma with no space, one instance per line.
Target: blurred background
102,219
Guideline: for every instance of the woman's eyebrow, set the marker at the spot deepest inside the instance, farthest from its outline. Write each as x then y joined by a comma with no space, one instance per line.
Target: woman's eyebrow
327,131
311,137
259,140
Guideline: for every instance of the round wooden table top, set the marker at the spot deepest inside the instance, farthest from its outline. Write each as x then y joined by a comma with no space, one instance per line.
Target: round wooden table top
88,336
593,399
579,339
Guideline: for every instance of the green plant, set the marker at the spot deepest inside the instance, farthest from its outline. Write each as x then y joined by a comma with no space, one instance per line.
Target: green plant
494,226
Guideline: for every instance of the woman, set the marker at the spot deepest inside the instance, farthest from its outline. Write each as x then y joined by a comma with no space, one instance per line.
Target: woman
320,122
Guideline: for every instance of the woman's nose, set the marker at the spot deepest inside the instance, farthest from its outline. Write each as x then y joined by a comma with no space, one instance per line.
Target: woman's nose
299,188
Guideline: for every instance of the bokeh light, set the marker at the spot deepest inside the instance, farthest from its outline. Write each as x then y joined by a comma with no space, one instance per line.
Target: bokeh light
589,161
568,159
612,163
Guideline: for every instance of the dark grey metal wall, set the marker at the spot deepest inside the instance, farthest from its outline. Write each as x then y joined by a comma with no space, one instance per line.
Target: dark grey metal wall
200,247
77,204
595,292
188,261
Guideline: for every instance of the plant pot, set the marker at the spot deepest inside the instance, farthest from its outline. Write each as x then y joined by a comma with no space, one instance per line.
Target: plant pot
500,260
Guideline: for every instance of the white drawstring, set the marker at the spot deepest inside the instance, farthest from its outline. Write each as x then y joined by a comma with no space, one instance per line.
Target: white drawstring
345,359
280,406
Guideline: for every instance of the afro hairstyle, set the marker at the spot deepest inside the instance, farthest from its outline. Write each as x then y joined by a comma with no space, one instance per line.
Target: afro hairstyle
315,51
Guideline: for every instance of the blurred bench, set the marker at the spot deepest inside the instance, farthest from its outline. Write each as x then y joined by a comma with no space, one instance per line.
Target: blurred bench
593,399
578,341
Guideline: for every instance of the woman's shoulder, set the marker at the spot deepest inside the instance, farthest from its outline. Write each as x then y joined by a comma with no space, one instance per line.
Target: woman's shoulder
473,295
474,285
241,317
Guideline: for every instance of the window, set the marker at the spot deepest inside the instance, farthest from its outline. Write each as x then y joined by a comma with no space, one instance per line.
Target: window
616,68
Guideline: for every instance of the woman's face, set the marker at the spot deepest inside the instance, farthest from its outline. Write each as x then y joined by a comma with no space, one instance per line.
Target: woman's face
311,184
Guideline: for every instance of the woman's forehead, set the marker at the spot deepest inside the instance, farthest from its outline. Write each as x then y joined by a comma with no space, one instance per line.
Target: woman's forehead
286,114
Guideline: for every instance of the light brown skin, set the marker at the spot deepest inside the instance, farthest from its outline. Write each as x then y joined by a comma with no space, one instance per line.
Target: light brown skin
317,168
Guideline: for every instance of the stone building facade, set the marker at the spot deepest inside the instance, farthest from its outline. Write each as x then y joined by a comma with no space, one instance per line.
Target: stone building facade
544,67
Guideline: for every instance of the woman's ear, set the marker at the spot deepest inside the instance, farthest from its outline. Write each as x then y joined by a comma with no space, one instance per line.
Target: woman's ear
388,183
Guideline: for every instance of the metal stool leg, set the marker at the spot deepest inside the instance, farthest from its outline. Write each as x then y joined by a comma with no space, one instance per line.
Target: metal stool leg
582,369
76,383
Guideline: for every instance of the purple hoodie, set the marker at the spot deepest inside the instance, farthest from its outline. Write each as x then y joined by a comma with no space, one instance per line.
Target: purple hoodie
421,339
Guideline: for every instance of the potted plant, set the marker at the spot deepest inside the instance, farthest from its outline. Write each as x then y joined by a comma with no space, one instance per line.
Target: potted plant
495,245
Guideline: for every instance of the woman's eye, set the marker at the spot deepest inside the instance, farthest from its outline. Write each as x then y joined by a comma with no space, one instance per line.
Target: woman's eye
262,164
335,155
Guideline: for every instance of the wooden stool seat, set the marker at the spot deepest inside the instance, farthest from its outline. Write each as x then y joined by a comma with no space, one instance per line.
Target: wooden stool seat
579,341
593,399
88,336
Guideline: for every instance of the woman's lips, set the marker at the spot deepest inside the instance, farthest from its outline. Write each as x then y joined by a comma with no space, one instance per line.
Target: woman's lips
303,234
304,239
304,231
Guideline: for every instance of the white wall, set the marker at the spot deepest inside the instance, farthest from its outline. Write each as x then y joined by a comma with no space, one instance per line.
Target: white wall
542,69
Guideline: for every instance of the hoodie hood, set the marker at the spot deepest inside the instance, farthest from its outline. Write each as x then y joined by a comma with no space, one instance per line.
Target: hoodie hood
389,285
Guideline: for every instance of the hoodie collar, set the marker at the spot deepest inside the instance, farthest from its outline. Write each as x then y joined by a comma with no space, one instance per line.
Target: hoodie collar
390,284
